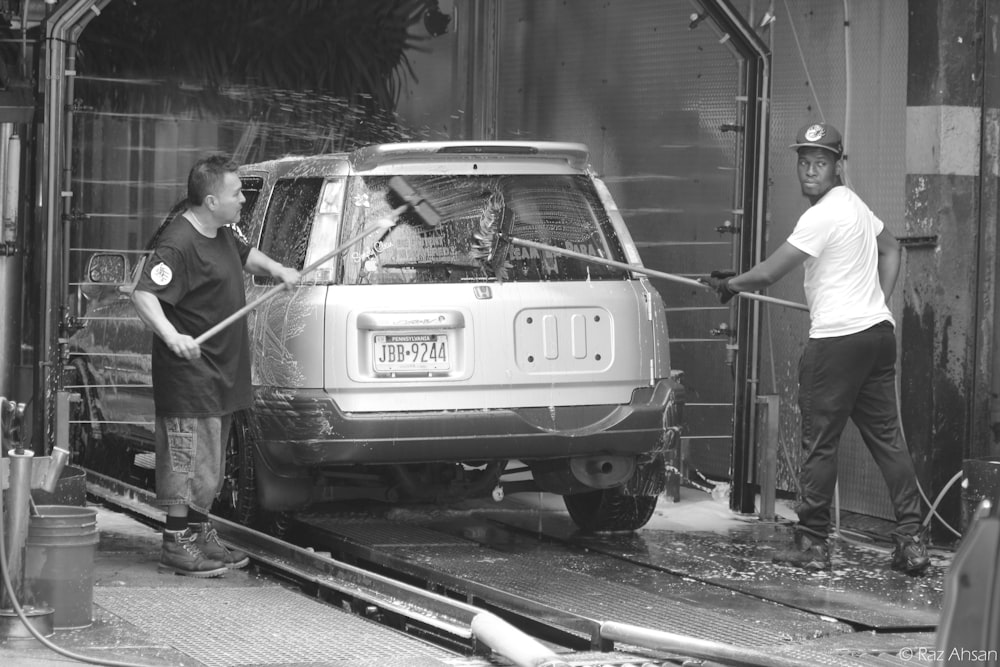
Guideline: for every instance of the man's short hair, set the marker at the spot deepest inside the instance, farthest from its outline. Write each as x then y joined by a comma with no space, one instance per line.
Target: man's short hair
206,177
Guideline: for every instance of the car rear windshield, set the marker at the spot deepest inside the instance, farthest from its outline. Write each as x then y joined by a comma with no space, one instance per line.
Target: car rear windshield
463,241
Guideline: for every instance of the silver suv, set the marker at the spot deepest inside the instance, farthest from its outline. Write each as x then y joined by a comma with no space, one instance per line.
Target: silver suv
436,358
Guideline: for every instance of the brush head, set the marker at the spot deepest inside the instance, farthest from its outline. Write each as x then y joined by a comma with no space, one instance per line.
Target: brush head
423,208
489,244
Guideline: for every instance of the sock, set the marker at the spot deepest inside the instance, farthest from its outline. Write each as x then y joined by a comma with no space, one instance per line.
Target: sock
177,523
195,517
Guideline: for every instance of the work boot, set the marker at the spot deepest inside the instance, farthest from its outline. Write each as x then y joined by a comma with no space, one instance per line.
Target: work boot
207,539
181,555
810,551
910,554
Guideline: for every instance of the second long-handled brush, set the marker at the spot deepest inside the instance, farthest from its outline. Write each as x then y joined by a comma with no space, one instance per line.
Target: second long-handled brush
492,245
650,272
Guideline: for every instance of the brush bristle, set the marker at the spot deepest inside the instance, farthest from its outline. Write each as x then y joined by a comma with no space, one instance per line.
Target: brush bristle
484,240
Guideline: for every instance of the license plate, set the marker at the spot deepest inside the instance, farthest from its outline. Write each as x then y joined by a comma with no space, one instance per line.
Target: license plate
394,353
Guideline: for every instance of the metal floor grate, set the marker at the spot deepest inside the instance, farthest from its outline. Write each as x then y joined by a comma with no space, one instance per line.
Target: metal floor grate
381,534
222,627
534,577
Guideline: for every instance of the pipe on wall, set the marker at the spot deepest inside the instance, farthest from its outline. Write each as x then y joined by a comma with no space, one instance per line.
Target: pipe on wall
62,28
756,79
11,259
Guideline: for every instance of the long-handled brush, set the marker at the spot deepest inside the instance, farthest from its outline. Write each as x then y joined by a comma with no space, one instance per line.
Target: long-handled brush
649,272
493,240
427,214
382,224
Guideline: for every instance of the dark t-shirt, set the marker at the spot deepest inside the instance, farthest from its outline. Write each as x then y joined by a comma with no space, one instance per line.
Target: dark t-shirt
199,282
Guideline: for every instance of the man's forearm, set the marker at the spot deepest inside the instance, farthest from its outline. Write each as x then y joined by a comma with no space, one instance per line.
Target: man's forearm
753,279
888,272
151,312
260,264
771,270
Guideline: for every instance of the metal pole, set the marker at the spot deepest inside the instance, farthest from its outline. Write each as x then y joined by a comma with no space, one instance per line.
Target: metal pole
650,272
75,14
753,164
18,508
703,649
278,289
11,257
767,451
521,649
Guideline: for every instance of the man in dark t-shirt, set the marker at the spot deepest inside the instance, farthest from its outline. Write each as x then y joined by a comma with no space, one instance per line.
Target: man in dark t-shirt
192,280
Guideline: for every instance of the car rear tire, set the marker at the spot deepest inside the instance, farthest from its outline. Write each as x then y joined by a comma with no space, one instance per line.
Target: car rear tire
238,499
609,510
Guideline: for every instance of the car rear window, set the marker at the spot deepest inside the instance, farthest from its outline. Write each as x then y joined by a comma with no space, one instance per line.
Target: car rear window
558,210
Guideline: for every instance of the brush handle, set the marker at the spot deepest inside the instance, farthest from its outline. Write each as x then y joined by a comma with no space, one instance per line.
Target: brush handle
278,289
650,272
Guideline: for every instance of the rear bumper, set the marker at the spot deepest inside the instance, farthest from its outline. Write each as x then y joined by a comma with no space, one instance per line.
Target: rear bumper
305,429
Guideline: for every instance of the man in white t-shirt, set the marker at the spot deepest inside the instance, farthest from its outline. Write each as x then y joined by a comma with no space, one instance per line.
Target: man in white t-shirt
848,367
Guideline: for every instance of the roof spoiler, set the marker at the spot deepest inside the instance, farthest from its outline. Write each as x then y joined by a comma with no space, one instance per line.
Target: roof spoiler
576,155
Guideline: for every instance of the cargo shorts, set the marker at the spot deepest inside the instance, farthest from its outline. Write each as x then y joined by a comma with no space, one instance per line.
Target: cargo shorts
190,460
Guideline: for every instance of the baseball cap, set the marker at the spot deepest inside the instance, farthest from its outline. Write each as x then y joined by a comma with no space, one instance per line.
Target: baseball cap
820,135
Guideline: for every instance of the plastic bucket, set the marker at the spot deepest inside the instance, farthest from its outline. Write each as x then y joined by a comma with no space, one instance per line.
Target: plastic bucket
59,563
71,489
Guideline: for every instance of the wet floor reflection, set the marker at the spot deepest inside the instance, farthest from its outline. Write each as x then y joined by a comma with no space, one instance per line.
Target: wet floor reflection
464,550
727,567
859,589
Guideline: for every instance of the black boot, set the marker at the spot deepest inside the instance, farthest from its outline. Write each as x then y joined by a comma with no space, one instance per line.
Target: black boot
181,555
810,551
910,554
207,539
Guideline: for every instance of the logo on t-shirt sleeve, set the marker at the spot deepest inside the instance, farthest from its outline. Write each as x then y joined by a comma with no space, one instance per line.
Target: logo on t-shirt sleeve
161,274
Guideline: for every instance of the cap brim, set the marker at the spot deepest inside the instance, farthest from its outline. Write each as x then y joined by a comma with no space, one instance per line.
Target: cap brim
808,145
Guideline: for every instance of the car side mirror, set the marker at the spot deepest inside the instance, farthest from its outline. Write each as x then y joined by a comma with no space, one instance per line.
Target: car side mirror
105,271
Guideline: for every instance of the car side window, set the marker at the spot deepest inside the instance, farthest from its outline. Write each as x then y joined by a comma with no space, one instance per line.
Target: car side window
288,223
252,185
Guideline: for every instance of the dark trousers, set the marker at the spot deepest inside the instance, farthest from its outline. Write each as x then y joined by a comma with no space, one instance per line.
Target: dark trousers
852,376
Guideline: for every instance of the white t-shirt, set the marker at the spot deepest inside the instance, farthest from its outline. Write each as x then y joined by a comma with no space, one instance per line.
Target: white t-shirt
842,289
